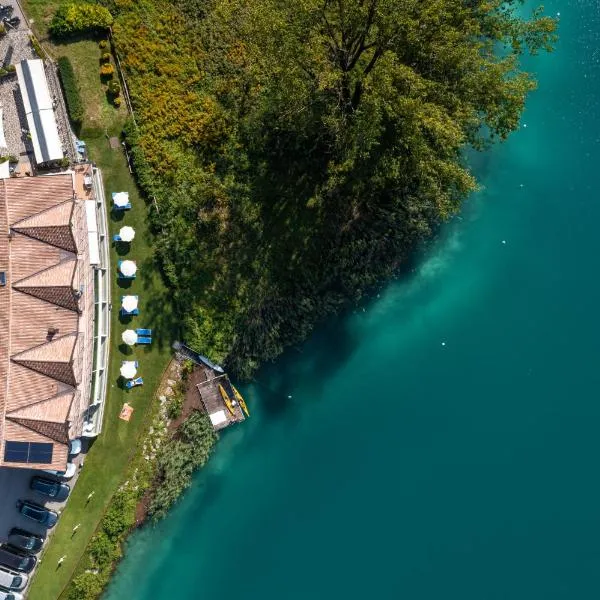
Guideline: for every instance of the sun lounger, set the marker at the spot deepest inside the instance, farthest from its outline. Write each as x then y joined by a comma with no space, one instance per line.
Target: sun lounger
144,332
133,382
134,313
117,238
144,341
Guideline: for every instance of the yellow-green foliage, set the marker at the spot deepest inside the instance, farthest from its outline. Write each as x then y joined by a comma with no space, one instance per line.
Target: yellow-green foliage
78,17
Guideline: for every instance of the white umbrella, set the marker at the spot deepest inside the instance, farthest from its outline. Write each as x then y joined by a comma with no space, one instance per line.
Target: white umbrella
128,369
129,303
121,199
128,268
129,337
127,233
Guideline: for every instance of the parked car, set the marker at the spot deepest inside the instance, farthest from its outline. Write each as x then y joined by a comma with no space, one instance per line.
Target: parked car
10,580
57,490
25,540
15,559
37,512
74,447
10,595
12,21
71,468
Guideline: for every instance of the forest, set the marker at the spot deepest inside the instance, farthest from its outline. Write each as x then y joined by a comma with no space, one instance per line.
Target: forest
295,153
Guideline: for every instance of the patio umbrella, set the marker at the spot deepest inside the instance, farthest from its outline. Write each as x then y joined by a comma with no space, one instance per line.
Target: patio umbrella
128,268
129,303
129,337
128,369
127,233
121,199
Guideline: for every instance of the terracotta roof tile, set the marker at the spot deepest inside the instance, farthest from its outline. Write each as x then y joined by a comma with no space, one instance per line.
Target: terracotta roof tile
55,409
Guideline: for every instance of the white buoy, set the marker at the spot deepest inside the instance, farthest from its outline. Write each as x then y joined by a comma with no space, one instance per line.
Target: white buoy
524,124
443,343
504,241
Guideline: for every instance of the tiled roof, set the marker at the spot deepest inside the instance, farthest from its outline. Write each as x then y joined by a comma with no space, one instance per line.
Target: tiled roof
45,314
54,285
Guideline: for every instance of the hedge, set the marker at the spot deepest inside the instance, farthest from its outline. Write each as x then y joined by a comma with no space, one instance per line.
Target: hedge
79,17
71,90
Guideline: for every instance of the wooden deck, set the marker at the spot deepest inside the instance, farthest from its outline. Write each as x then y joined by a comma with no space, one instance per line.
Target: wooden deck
208,387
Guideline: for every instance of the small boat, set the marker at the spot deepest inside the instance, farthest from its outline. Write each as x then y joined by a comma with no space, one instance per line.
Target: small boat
226,399
241,401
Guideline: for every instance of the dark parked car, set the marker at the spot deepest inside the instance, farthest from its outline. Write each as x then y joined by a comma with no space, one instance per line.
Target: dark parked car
37,512
25,540
12,558
12,21
56,490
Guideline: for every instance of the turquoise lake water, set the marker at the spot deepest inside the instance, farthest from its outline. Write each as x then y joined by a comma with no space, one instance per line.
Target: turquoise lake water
442,442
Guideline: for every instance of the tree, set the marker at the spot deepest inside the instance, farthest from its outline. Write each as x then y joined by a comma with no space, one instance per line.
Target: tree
318,143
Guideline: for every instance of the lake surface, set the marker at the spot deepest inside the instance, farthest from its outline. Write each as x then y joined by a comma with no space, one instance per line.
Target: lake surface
443,441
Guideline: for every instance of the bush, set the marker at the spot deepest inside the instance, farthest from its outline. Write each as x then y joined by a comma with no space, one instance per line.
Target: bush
114,87
13,159
71,90
11,69
36,46
117,101
78,17
105,57
174,406
120,516
86,586
102,550
103,44
2,29
106,70
64,162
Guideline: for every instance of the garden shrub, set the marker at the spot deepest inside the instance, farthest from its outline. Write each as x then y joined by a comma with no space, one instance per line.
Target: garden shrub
103,45
37,48
106,70
117,101
114,87
105,57
103,550
86,586
71,90
78,17
174,406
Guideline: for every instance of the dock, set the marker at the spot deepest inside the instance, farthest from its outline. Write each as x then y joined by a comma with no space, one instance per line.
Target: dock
207,377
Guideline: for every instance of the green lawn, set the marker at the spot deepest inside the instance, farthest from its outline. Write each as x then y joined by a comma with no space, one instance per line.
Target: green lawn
106,462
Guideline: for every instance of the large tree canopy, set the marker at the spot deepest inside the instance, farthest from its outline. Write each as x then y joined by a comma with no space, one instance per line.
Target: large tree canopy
299,149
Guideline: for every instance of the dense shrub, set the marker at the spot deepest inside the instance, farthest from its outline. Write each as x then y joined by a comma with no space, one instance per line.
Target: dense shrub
117,101
105,57
78,17
103,550
114,87
178,460
120,516
106,70
86,586
174,406
71,90
103,45
36,46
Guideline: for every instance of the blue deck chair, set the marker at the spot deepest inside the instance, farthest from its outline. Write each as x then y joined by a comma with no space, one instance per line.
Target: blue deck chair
144,341
144,332
133,382
117,238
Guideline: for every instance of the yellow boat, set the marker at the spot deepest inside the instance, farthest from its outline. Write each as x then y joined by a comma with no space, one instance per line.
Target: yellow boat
226,399
242,402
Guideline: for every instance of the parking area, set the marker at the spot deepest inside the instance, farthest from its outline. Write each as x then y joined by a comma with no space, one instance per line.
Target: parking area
14,485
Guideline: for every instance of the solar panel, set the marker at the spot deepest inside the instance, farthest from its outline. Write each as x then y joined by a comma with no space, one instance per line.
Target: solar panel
2,278
16,452
28,452
40,453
